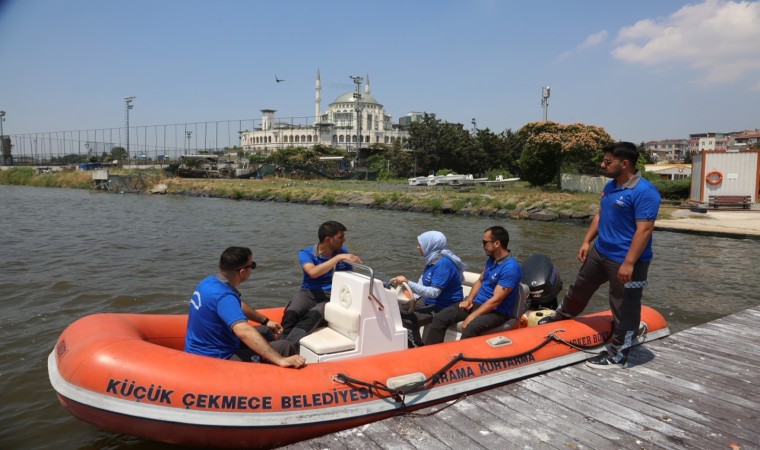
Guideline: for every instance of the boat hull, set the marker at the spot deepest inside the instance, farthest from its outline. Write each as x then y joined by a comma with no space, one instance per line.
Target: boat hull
127,374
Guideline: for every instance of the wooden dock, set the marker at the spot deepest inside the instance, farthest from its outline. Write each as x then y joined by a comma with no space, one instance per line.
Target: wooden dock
696,389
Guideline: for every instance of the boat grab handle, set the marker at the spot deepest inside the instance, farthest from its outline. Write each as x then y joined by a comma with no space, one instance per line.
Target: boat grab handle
371,283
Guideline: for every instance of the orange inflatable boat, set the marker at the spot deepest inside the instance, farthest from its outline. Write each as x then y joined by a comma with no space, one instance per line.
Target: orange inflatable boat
127,373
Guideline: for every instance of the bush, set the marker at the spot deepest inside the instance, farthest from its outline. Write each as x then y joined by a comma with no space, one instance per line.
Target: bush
17,175
671,189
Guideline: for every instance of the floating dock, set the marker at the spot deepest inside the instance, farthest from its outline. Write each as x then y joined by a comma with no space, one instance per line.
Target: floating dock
699,388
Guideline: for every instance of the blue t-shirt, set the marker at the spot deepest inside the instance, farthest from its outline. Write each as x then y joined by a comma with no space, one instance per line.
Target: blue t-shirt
445,276
214,308
622,206
506,273
324,282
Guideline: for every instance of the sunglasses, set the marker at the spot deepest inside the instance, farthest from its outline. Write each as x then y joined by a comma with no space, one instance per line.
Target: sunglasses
486,242
251,266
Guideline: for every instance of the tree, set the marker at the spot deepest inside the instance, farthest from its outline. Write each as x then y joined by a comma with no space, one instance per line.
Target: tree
550,147
500,152
119,153
436,145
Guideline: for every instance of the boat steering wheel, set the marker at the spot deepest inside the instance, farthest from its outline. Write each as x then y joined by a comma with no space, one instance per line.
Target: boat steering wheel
403,291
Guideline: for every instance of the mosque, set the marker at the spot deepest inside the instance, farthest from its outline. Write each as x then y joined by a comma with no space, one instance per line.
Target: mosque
336,127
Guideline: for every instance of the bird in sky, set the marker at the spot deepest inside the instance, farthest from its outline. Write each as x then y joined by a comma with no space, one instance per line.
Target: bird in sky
277,79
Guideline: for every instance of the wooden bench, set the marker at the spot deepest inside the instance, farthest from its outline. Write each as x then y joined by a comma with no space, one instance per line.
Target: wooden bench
743,201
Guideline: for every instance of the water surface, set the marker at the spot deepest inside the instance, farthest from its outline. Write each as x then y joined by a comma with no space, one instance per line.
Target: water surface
67,253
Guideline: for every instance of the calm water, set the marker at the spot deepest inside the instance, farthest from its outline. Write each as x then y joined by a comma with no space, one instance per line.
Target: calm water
68,253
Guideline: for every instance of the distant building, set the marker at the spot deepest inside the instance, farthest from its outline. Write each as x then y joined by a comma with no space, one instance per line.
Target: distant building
743,140
668,150
731,141
670,171
335,127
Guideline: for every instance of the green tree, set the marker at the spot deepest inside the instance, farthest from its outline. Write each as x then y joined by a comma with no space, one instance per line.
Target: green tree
551,147
496,151
119,153
437,144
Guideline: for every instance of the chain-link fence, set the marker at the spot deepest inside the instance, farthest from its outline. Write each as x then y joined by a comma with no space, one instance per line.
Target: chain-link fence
145,142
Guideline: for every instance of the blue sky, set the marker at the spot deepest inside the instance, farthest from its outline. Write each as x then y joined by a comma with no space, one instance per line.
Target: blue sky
643,70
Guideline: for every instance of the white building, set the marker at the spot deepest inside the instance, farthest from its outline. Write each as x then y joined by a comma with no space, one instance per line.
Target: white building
336,127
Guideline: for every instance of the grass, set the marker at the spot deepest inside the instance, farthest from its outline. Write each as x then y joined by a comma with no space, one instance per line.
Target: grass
513,196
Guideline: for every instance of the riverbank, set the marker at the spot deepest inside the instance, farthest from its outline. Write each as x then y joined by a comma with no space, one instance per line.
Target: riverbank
517,200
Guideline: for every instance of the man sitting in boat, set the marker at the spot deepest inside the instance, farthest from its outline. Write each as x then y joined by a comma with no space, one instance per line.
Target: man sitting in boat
439,286
492,297
305,311
218,322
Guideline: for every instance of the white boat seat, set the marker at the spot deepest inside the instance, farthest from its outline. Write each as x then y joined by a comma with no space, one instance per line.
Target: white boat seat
455,331
469,279
358,323
340,333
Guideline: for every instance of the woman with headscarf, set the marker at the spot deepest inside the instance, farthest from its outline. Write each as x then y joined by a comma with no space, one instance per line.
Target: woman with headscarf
440,284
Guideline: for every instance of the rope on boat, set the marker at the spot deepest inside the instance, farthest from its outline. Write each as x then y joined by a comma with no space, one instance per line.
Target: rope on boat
399,395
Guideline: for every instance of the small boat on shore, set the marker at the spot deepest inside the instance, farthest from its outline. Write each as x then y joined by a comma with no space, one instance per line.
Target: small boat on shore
127,373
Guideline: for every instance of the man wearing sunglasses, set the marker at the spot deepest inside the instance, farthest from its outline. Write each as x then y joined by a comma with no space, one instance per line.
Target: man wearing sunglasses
218,322
620,255
492,297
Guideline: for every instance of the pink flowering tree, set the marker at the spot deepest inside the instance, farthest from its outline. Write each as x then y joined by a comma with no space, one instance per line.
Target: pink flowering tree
550,147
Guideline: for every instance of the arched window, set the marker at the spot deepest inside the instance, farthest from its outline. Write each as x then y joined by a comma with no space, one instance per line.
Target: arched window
340,139
297,138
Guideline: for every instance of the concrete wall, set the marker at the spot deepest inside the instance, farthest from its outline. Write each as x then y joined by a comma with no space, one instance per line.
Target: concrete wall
583,183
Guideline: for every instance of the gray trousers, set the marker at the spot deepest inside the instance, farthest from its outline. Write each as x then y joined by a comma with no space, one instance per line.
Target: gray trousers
453,314
283,347
625,302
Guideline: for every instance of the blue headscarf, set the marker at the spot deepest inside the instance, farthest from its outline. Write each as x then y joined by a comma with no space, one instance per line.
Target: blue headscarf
433,246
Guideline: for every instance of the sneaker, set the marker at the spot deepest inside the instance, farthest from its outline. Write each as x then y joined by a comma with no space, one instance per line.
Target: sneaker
604,361
549,319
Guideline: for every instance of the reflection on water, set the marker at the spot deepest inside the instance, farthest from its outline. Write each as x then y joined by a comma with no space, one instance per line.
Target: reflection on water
69,253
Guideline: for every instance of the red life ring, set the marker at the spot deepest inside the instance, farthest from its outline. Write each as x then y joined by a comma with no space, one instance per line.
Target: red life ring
710,180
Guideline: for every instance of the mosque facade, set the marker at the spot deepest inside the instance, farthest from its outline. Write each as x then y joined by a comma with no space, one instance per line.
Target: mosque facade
353,121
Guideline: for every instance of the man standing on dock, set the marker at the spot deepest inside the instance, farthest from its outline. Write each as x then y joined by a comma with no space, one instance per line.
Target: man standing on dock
621,254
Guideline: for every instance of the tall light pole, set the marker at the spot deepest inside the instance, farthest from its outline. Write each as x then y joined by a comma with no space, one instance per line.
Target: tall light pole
546,91
4,153
128,104
188,133
358,109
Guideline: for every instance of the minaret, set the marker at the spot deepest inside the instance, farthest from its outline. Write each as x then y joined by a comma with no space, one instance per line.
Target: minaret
366,86
318,101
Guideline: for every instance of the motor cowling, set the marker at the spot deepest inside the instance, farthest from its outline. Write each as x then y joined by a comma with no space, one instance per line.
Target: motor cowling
542,277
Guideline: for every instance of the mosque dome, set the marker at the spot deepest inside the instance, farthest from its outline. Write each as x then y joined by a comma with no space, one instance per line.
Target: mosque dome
348,97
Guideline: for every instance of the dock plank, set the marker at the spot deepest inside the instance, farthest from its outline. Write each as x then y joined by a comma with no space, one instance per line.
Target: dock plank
699,388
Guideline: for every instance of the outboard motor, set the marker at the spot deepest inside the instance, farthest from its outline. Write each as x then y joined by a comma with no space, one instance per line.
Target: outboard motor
542,277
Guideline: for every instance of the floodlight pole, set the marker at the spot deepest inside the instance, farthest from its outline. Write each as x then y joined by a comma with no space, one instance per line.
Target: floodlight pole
358,110
128,101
